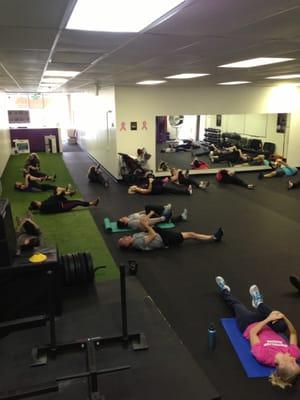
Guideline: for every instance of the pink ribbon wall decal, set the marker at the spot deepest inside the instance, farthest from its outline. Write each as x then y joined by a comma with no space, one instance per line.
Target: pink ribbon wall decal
123,126
144,125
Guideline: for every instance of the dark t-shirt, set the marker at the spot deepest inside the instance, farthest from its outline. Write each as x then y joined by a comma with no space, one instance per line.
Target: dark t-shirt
52,205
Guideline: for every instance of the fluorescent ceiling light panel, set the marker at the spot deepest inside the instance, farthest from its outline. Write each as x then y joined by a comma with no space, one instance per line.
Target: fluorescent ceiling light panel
185,76
234,83
150,82
68,74
54,80
255,62
291,76
118,15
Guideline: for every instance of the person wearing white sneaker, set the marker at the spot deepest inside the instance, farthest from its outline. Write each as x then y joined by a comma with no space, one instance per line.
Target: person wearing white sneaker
156,215
155,238
262,327
159,186
178,177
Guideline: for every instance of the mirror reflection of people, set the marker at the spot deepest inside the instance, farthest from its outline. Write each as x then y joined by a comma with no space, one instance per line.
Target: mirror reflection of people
155,238
229,177
262,327
281,168
155,214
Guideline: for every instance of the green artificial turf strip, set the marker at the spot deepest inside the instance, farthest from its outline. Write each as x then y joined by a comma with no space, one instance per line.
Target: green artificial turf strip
72,232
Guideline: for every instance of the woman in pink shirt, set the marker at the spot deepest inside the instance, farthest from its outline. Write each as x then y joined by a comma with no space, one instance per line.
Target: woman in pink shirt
262,328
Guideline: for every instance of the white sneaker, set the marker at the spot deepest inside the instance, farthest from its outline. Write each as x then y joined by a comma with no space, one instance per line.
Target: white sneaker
256,296
222,284
190,190
184,214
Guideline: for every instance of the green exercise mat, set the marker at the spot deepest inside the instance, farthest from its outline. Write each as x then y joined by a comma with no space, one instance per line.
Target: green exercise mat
111,226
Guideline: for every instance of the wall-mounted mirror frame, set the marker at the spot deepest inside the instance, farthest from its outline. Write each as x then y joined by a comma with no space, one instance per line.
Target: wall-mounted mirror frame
222,130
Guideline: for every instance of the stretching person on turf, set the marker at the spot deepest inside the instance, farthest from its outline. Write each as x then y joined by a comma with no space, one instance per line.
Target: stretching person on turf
33,167
262,327
156,215
229,177
155,238
281,168
28,233
35,184
58,203
178,177
158,186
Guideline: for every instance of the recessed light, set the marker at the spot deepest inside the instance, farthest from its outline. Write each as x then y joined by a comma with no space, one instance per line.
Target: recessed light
150,82
69,74
234,83
118,15
185,76
291,76
54,80
255,62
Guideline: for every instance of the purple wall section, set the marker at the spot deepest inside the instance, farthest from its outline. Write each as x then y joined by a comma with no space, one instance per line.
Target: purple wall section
35,137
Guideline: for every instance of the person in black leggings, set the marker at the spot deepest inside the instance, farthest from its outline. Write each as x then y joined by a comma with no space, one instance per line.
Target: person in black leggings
158,186
178,177
262,327
156,215
225,176
32,167
58,203
35,184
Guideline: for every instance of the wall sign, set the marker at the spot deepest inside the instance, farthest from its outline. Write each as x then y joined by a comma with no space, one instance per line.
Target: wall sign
133,126
281,123
18,116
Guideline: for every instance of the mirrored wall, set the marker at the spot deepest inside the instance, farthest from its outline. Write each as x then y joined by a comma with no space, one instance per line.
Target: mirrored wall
221,140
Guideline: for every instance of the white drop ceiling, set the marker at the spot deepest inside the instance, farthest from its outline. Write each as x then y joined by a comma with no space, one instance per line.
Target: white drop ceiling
201,36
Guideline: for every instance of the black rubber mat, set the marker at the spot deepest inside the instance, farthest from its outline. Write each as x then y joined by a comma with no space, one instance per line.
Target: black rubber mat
262,230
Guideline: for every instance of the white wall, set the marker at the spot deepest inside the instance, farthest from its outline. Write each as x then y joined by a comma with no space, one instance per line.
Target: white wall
96,126
187,130
4,134
144,104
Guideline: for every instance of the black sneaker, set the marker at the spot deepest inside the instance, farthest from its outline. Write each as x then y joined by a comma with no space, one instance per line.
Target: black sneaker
261,175
218,235
295,281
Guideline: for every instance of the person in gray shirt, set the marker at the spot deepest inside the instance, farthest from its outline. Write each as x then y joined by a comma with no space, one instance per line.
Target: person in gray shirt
155,238
156,215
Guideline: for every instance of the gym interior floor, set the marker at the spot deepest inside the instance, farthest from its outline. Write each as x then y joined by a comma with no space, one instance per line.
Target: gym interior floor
260,246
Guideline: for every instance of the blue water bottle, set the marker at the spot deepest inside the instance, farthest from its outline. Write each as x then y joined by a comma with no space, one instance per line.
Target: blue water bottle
212,336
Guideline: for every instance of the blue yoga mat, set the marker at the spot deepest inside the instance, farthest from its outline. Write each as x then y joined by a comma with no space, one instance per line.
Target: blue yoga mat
242,347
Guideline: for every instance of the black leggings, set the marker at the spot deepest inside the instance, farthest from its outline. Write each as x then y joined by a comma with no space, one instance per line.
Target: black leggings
296,184
44,187
171,187
68,205
246,317
234,180
159,211
187,181
232,157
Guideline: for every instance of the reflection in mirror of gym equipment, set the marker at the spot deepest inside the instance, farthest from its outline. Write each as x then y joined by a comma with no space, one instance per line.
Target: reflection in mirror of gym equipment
181,138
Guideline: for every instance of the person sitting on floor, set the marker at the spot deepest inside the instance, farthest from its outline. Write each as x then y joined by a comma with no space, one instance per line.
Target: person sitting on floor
295,281
155,238
156,215
34,184
58,203
95,176
28,233
33,167
199,164
281,168
226,176
160,186
178,177
293,185
262,327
